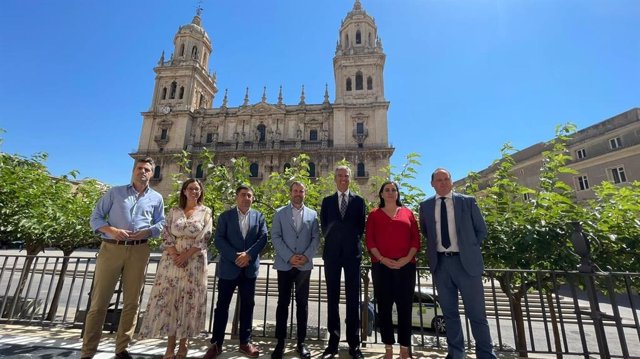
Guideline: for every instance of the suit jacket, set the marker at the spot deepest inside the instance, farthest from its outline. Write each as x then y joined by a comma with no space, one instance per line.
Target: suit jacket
342,236
288,241
229,241
470,229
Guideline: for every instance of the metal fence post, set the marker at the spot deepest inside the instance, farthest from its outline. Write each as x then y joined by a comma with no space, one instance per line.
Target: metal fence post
587,270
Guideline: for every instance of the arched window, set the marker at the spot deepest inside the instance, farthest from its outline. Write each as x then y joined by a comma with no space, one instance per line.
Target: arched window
182,50
360,171
164,93
369,83
156,172
346,41
312,169
201,101
262,132
199,171
287,166
358,80
181,92
253,169
204,59
194,53
348,83
358,37
172,94
369,39
313,135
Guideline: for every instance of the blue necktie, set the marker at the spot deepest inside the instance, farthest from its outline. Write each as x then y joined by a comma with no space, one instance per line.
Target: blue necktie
444,225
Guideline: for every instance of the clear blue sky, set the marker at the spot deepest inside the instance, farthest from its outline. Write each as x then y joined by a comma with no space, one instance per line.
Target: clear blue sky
463,77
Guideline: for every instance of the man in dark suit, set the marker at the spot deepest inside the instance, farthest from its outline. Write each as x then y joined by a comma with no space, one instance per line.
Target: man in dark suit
455,229
240,236
295,235
342,218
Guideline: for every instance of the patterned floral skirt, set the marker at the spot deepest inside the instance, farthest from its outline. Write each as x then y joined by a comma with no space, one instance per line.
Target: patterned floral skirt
177,305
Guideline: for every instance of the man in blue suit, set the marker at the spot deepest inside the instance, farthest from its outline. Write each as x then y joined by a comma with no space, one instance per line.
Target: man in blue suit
455,229
240,236
295,234
342,217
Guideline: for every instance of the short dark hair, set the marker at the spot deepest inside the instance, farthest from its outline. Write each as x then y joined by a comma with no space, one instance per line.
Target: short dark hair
183,199
243,187
433,175
148,160
296,183
398,202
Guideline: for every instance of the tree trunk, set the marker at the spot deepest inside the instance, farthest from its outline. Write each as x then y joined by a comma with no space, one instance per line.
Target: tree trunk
554,324
521,338
236,319
24,276
56,294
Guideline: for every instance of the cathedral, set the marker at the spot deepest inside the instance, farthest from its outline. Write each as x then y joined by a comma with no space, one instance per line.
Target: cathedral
269,135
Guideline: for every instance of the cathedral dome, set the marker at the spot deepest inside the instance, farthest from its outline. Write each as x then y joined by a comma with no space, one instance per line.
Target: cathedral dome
194,28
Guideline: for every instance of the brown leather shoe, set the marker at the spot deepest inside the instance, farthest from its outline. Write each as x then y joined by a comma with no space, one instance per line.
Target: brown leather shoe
213,351
249,350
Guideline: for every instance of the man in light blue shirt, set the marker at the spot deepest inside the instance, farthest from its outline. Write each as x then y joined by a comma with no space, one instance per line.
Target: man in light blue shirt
125,217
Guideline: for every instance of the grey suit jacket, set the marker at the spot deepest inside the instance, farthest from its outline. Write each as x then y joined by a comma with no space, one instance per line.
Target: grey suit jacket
288,241
470,229
229,241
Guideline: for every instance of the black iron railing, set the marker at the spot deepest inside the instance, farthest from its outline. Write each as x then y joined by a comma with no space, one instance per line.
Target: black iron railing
549,312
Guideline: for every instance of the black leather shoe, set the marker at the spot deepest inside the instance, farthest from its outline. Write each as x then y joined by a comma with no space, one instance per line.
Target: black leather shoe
304,351
330,353
278,352
356,353
123,355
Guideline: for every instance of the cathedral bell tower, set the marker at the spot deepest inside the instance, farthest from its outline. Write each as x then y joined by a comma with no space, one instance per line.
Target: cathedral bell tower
183,82
360,108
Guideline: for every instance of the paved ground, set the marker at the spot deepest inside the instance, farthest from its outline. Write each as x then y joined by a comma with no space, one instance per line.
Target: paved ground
18,342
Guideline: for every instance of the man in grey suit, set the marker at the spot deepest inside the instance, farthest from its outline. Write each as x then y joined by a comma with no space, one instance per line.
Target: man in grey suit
240,236
295,234
455,229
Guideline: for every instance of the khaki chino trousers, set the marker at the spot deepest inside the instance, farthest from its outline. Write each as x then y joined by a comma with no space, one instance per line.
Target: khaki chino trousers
113,261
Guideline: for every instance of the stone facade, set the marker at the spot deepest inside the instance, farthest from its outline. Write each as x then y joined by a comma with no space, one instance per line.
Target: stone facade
606,151
269,135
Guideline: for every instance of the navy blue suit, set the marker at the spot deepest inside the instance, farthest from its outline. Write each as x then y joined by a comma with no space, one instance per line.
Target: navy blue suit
343,250
229,242
461,272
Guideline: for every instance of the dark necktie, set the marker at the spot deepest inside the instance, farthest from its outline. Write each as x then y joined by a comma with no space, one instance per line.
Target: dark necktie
444,225
343,205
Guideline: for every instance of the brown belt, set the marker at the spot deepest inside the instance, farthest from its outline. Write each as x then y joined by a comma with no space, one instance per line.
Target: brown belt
125,242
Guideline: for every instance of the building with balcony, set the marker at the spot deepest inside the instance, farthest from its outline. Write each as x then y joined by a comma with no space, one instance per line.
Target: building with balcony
606,151
269,135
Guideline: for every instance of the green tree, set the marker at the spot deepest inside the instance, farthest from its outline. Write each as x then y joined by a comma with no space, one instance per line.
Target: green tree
43,211
530,234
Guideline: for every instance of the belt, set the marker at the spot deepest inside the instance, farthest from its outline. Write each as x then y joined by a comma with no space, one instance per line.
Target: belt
125,242
448,254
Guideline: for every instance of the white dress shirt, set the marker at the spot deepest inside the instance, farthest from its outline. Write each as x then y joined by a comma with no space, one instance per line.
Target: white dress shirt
453,236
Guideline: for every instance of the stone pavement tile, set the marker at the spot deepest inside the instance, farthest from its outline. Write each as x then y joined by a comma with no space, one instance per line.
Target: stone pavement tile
20,341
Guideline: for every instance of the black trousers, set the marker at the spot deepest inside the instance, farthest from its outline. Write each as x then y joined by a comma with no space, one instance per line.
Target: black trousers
332,272
246,291
394,286
286,280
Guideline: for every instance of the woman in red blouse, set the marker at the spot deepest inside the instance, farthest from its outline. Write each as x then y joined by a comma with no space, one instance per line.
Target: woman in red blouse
393,240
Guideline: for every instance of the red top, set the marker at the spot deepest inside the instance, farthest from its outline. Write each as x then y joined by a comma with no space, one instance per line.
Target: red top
393,237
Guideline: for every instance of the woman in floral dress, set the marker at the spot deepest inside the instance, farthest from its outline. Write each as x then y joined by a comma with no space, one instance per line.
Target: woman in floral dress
176,307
